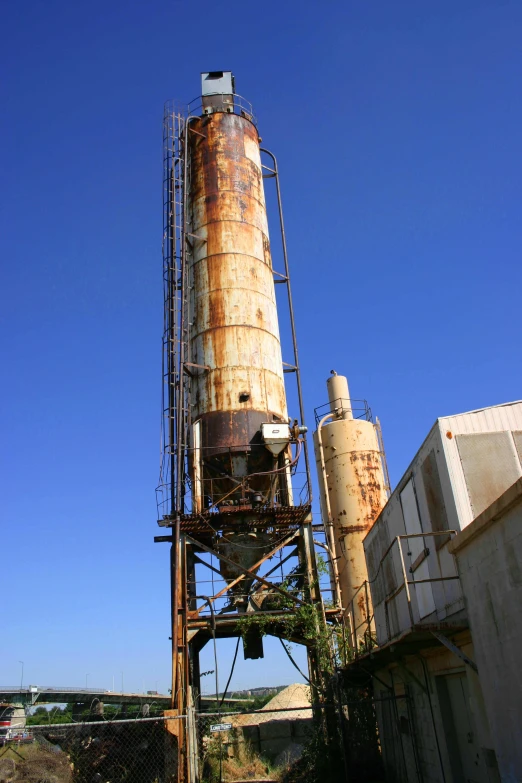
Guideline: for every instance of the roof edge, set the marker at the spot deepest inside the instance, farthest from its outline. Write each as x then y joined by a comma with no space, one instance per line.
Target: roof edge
510,498
479,410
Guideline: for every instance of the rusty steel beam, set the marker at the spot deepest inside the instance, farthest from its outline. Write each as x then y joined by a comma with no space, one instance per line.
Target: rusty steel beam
244,571
238,579
455,650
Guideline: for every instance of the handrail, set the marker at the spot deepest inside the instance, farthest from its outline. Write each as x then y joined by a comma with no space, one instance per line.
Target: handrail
404,585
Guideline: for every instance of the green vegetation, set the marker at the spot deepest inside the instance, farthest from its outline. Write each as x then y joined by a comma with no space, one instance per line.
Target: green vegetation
33,764
235,759
344,733
43,716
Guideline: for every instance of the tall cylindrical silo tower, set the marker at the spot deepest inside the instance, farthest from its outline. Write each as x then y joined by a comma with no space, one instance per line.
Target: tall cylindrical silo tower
233,325
234,481
353,489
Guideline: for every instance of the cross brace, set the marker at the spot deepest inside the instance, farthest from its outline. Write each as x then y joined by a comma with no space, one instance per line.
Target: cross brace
244,571
455,650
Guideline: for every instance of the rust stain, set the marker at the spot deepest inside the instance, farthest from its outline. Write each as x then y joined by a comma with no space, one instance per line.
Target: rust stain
361,603
234,317
346,530
234,326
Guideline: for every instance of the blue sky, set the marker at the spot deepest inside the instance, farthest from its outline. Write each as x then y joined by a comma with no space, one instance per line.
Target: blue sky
397,130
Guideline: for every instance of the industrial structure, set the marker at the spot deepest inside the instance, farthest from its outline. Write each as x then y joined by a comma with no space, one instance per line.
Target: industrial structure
444,563
354,487
413,597
235,481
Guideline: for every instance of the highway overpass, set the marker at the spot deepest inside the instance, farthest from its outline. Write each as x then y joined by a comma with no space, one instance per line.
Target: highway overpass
39,695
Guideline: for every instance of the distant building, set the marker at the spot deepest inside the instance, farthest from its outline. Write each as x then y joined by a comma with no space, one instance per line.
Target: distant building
445,577
12,721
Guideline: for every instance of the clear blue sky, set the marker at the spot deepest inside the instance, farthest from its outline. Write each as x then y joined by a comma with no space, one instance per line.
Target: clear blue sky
397,129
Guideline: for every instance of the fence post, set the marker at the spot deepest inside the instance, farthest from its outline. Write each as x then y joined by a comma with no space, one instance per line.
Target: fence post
192,745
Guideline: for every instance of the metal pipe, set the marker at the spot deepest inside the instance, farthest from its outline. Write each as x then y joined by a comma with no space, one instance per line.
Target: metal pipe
339,396
180,445
405,577
331,542
213,628
291,312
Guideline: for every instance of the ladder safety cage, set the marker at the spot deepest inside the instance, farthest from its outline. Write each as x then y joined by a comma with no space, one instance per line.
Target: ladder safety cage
171,490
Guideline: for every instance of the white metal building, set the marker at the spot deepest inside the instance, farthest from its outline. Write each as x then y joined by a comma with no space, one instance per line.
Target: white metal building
465,463
435,725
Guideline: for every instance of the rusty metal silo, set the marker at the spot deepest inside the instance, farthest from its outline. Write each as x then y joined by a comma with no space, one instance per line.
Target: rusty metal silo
234,488
237,384
353,486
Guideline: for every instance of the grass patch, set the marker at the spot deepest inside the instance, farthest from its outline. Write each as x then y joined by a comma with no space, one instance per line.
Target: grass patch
33,763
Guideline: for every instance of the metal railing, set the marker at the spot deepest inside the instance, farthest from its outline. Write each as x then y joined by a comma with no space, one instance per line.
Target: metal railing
359,408
285,485
362,637
362,643
239,106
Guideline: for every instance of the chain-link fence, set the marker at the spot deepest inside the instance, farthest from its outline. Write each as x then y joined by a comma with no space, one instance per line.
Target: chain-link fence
262,745
337,740
290,743
134,751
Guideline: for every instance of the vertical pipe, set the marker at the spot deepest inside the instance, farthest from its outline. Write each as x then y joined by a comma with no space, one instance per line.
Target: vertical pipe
329,521
368,613
339,396
292,320
171,369
179,429
405,577
380,439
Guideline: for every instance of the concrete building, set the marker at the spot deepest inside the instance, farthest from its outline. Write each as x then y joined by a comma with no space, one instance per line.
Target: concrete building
437,705
12,720
489,562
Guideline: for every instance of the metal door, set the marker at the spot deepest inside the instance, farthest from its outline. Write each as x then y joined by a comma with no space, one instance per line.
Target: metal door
465,758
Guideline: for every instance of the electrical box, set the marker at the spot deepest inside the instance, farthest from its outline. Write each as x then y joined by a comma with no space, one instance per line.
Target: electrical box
276,436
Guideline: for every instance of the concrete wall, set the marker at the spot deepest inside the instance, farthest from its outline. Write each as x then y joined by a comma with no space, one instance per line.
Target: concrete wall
414,727
16,714
489,557
279,740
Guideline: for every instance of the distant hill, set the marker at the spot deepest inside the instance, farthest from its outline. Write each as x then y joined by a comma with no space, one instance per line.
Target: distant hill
254,693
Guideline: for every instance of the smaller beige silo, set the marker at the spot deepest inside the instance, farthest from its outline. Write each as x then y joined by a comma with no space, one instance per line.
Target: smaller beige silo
353,489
